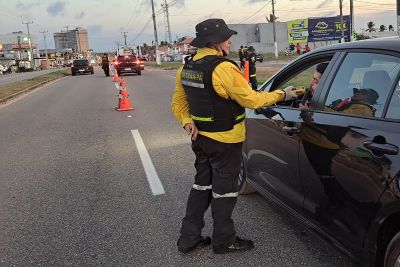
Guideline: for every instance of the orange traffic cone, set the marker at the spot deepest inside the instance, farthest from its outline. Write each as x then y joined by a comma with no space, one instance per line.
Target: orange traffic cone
124,104
115,78
246,70
122,82
124,92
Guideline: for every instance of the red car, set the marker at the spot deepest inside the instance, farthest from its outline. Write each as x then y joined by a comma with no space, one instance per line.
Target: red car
128,64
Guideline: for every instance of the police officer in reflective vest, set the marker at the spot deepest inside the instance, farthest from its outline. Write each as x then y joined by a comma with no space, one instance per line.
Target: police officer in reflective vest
208,101
251,57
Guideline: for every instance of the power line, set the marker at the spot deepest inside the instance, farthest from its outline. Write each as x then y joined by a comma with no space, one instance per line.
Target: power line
255,13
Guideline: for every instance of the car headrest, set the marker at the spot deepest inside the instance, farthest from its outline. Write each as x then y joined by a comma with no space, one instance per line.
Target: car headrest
378,80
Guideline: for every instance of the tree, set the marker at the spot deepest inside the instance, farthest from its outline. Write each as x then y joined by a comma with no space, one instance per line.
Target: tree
361,36
371,26
391,28
382,28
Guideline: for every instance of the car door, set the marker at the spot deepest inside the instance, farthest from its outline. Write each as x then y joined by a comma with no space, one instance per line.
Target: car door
273,138
347,149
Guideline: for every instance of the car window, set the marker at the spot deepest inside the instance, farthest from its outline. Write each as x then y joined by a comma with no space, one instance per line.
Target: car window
127,58
300,77
393,111
362,84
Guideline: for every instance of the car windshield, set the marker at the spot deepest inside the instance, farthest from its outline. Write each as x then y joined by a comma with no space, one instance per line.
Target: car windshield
80,62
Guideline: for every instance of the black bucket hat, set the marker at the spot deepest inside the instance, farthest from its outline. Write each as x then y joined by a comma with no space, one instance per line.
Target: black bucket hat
211,31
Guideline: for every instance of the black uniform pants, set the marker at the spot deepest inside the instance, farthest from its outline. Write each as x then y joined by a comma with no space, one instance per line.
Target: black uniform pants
216,183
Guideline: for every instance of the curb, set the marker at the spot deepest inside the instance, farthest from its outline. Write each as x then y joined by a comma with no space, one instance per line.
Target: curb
41,84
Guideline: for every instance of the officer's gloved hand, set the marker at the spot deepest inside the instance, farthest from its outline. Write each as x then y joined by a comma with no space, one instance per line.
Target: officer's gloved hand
289,93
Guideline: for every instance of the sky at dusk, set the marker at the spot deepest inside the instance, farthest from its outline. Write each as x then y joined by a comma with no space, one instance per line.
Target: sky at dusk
106,20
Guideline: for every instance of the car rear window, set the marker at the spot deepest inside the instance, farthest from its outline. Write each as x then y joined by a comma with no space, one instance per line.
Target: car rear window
127,58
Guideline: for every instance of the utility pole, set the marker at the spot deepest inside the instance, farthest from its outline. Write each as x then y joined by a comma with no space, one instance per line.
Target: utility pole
30,44
125,35
341,21
398,17
273,28
158,62
45,48
167,25
118,44
351,20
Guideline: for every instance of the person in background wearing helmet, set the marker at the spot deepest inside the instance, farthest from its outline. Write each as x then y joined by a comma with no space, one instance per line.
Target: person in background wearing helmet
251,57
208,101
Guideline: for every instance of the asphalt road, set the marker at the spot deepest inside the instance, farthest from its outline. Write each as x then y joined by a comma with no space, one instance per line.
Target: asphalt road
15,77
74,191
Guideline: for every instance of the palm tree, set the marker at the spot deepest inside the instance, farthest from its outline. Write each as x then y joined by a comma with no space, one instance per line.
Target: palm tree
391,28
371,26
382,28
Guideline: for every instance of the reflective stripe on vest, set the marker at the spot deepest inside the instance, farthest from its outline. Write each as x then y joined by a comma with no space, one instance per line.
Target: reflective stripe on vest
197,118
197,85
202,187
234,194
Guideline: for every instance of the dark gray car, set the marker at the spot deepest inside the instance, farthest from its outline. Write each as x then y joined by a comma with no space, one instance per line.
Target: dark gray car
335,166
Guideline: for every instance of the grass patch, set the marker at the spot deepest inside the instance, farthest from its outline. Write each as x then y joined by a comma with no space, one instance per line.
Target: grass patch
264,73
164,65
20,86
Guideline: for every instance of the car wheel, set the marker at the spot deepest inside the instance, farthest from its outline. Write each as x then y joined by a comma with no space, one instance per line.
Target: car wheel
261,61
73,74
92,72
244,187
139,73
119,73
392,257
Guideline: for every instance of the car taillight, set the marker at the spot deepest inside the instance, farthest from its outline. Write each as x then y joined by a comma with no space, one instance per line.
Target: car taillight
137,62
116,62
72,65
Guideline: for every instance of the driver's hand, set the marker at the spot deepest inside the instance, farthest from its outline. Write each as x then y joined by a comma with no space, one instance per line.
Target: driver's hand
192,130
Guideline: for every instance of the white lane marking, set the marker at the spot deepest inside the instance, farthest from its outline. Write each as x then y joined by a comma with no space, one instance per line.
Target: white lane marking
152,177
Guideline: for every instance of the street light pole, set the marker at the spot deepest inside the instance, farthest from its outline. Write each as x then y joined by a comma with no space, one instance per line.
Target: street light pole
30,44
158,62
45,48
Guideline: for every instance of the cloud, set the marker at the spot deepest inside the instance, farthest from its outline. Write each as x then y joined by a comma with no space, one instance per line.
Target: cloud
94,29
24,6
179,4
324,3
56,9
80,15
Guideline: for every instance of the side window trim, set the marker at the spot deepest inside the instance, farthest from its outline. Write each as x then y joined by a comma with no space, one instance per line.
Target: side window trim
391,95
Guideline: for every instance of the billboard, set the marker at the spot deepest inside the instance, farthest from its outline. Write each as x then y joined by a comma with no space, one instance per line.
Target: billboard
298,31
328,29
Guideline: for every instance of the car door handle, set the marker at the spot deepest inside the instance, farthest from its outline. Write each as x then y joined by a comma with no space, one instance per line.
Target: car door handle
382,148
291,130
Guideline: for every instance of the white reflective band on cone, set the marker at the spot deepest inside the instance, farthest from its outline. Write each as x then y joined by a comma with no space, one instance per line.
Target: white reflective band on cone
202,187
234,194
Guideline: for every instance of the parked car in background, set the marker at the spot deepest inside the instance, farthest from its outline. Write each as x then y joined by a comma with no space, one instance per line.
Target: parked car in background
259,57
80,66
128,64
335,165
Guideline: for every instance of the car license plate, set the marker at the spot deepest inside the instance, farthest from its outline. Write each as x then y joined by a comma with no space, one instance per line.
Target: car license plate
81,70
127,68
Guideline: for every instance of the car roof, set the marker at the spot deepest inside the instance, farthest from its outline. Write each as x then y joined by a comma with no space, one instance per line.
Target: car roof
388,43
